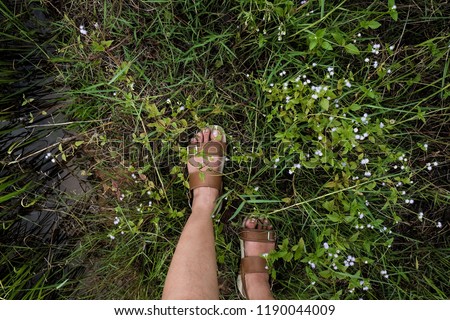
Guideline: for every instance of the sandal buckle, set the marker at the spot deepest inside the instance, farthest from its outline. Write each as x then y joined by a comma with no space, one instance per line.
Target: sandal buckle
269,237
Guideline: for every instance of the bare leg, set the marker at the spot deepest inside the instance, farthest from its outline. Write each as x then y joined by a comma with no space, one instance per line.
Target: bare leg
193,270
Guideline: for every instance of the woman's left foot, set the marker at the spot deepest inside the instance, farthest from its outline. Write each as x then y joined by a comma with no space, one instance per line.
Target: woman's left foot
206,153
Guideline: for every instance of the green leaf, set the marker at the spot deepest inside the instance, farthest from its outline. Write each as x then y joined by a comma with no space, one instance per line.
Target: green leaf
329,206
312,43
373,24
106,43
324,104
337,36
325,274
355,107
320,33
334,217
394,14
330,184
327,46
352,49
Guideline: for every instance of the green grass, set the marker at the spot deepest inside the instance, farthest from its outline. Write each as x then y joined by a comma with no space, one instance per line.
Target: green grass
148,74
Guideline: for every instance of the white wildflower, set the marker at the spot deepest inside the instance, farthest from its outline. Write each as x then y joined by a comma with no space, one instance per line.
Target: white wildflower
83,31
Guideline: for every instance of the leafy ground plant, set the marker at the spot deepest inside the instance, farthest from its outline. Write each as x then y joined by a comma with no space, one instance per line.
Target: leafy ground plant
337,120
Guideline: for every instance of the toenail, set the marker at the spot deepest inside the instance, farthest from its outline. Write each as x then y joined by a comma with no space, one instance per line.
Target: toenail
215,133
206,130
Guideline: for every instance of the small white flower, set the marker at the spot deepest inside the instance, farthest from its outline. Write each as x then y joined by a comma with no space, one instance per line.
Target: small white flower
96,25
375,64
367,173
359,35
389,70
435,163
326,246
168,101
111,236
256,188
277,160
297,165
366,288
439,224
381,125
149,203
361,215
314,96
83,31
133,176
394,7
383,272
291,172
355,130
314,64
53,160
116,220
366,60
391,47
425,145
320,138
420,215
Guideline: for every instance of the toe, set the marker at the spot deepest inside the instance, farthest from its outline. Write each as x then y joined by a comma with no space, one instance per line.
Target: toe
218,134
206,134
199,137
265,224
260,224
251,223
193,140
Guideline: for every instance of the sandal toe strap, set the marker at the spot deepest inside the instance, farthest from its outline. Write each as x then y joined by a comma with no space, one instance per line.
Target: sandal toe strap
253,265
257,235
205,179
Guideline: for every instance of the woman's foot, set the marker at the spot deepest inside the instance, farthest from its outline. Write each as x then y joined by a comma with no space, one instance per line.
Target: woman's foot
257,284
208,161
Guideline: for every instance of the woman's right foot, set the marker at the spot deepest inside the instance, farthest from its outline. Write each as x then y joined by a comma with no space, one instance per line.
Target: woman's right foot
257,284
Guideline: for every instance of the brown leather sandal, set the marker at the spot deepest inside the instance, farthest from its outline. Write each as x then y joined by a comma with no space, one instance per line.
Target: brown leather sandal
252,264
206,150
